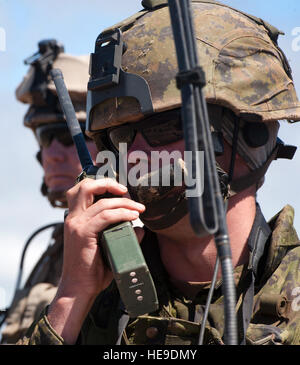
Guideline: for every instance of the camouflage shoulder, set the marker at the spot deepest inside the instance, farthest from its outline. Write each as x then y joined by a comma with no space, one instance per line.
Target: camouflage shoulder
277,305
41,333
283,239
27,305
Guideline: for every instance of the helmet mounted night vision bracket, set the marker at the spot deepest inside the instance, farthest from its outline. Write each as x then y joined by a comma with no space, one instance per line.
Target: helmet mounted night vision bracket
48,51
108,80
41,63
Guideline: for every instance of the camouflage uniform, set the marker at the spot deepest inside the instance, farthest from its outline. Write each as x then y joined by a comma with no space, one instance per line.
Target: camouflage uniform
276,312
38,291
41,285
248,74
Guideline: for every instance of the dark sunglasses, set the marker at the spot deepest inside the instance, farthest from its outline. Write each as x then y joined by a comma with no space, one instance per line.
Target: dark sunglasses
59,131
158,130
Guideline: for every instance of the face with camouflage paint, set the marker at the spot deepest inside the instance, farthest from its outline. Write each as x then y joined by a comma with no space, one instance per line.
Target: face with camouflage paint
149,199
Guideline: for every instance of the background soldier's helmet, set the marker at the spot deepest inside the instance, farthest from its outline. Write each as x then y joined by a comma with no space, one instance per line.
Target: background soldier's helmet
38,90
133,74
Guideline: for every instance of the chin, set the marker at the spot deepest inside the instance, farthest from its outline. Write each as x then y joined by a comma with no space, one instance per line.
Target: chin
59,187
60,183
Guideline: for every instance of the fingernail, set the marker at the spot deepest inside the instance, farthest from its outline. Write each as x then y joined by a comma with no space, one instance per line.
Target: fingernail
122,187
141,206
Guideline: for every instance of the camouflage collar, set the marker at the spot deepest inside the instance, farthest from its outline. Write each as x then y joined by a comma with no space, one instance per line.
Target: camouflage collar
284,237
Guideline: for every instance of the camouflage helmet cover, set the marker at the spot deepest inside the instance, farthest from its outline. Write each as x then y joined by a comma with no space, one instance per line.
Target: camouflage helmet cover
245,69
75,71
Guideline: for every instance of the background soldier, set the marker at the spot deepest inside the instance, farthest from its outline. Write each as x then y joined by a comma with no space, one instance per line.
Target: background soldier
61,166
249,88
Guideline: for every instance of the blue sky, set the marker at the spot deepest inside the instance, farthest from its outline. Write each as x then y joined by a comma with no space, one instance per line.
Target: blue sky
77,23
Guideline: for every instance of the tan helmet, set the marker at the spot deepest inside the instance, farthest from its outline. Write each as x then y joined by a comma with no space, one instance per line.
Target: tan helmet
43,101
38,90
133,74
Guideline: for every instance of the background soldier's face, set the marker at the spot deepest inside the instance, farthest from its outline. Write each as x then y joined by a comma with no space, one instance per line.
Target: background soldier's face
61,165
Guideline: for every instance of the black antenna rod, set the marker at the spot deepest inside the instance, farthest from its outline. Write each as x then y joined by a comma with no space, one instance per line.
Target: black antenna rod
73,124
207,212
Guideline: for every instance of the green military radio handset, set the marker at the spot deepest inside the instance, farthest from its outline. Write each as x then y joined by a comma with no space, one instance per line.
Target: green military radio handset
119,243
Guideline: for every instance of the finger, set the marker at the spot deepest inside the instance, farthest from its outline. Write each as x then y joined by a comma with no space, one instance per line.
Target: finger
82,195
113,203
111,216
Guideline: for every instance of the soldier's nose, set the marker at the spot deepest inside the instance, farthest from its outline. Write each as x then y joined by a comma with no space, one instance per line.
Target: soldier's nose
54,153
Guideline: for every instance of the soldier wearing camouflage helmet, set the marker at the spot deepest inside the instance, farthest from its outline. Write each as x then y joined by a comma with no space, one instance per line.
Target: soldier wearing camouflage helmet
249,89
61,167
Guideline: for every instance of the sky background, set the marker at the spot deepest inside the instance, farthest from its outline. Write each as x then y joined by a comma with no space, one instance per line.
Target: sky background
77,23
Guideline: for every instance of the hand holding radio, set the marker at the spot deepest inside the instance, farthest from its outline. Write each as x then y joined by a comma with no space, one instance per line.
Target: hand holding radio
83,266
